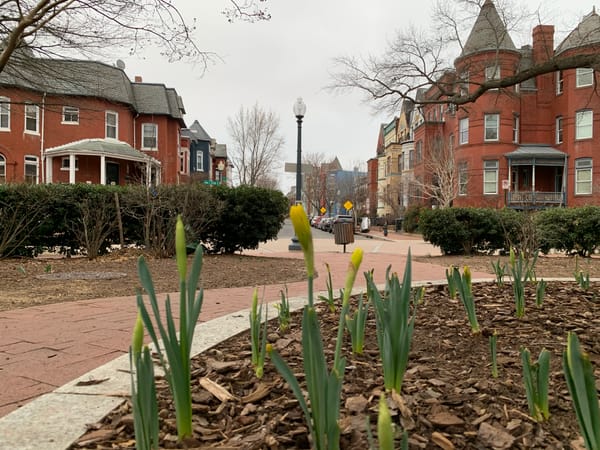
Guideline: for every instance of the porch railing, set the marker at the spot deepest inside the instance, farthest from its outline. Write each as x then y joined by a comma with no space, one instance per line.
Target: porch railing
536,198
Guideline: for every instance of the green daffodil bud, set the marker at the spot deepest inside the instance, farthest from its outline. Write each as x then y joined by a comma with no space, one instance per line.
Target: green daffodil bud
512,257
385,432
138,337
304,235
355,260
180,249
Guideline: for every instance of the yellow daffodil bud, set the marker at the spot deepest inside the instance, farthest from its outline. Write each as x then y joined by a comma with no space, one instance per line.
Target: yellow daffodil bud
138,337
512,256
467,275
385,432
304,235
356,258
353,267
269,348
180,249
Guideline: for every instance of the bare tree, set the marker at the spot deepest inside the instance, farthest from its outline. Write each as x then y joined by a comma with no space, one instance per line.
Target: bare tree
268,182
257,144
315,181
90,28
248,10
417,59
440,173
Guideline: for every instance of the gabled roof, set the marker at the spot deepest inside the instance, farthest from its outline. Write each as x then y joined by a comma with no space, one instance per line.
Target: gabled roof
488,33
196,132
586,33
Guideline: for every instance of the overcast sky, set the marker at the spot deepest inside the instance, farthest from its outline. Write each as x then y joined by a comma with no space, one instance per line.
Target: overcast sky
272,63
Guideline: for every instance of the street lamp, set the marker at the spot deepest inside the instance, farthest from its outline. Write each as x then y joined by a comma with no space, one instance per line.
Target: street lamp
299,111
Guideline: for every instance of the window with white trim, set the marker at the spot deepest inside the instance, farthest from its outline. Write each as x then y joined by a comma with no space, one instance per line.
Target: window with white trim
2,169
65,163
490,177
70,115
463,131
32,114
4,113
583,124
463,178
516,124
559,82
559,130
31,169
112,125
583,176
492,125
199,161
149,136
584,76
419,153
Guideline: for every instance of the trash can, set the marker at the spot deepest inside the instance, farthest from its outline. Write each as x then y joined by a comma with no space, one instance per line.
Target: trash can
343,233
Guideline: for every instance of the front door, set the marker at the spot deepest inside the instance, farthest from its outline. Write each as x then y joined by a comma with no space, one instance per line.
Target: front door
112,173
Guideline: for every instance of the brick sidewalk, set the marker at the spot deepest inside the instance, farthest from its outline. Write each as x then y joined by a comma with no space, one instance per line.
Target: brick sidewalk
43,347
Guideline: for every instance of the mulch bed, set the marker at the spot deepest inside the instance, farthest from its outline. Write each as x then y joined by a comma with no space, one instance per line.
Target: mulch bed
449,397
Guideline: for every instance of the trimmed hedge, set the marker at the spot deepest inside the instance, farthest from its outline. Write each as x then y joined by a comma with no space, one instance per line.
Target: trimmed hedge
483,230
82,218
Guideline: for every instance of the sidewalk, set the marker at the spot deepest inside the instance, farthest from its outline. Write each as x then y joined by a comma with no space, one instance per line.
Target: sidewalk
42,348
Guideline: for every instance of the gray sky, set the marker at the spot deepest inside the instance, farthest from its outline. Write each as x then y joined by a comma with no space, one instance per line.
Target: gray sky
272,63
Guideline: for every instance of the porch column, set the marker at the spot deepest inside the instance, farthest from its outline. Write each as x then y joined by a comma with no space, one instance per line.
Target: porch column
102,169
48,169
148,173
71,168
533,177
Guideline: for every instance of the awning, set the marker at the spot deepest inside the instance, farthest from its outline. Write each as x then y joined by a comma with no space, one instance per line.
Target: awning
101,147
541,155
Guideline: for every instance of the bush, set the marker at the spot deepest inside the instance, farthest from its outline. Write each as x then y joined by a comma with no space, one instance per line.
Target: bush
572,230
410,224
84,218
555,228
441,228
464,230
250,215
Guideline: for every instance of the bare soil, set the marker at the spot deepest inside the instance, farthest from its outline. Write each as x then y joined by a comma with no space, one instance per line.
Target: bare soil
29,282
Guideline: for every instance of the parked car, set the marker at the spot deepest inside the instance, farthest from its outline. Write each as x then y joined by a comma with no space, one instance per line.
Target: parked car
325,224
343,218
315,221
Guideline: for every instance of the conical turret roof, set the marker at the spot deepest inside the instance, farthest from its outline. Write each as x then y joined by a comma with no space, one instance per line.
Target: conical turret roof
488,33
586,33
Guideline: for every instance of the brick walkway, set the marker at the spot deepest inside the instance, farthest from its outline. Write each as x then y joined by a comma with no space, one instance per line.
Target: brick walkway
42,348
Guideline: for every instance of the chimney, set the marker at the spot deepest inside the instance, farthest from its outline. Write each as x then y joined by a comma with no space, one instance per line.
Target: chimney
543,43
138,79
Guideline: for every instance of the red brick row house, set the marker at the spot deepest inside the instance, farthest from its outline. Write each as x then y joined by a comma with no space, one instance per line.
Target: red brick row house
528,146
67,121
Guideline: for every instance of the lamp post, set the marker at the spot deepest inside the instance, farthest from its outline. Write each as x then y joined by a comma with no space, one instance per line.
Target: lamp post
299,111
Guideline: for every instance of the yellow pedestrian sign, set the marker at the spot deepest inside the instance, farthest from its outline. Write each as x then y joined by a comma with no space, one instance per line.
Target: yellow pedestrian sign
348,205
322,210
